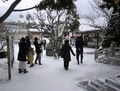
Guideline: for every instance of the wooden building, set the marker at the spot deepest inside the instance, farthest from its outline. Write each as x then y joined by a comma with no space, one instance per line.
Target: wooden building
92,38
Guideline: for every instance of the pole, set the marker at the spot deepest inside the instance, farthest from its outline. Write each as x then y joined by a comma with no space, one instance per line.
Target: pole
9,59
97,40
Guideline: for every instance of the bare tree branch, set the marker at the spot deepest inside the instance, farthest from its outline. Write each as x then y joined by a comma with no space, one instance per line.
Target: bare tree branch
95,18
16,10
9,11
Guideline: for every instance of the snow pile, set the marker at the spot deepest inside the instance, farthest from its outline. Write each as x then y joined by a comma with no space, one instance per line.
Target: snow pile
51,76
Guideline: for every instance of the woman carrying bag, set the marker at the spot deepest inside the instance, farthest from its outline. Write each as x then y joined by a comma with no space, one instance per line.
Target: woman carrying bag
65,53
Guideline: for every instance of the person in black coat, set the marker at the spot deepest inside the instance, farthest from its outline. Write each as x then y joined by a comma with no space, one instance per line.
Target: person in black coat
38,50
22,55
79,49
44,44
65,51
28,44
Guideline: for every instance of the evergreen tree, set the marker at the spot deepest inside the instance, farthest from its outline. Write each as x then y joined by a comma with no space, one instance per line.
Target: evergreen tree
60,5
112,32
55,4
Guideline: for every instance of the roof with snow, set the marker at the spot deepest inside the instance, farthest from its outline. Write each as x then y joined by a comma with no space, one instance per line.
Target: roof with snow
35,30
93,24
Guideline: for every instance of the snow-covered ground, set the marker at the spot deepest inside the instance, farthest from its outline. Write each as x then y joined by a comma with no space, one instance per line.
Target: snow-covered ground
51,76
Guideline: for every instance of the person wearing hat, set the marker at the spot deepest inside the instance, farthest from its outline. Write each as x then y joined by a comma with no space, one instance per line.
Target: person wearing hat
22,53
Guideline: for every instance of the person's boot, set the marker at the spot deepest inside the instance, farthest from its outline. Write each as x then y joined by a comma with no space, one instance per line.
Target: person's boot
35,62
78,61
20,70
66,68
25,71
81,60
28,62
40,62
31,65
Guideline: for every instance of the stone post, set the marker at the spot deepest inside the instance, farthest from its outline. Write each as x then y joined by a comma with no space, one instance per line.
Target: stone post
96,55
112,49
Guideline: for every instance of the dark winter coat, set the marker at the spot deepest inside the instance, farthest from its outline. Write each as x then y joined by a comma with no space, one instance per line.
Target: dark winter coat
44,43
79,44
38,46
28,43
22,51
66,48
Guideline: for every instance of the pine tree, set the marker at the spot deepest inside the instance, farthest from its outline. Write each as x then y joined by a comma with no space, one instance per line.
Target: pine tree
112,32
55,4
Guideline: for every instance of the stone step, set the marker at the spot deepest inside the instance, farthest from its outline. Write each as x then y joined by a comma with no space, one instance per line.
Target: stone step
117,79
113,82
98,85
91,88
102,84
87,86
109,87
83,84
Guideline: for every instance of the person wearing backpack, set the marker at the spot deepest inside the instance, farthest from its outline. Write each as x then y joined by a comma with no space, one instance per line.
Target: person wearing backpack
38,50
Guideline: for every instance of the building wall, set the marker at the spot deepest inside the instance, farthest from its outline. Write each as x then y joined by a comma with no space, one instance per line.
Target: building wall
92,38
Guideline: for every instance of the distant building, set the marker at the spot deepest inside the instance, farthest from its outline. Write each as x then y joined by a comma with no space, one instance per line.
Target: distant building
92,38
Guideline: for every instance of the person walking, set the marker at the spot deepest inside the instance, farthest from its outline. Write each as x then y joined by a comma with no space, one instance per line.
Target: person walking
38,49
31,56
72,41
65,53
22,53
28,44
79,48
44,44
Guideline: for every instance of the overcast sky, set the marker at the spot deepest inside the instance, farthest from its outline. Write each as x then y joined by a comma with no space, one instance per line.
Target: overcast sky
83,8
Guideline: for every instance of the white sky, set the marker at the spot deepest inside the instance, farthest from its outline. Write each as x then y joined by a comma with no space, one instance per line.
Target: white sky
51,76
22,5
83,7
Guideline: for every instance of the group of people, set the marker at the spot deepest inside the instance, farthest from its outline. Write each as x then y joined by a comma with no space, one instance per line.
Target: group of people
66,49
26,53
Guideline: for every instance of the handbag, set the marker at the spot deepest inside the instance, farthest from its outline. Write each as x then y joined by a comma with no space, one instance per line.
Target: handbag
79,51
41,50
62,54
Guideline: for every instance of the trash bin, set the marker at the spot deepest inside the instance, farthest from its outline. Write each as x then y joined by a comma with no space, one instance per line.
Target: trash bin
3,54
49,51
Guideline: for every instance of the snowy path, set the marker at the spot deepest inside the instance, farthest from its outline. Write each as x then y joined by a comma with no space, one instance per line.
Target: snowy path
51,76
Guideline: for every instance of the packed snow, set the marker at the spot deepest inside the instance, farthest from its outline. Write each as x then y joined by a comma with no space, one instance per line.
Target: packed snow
51,75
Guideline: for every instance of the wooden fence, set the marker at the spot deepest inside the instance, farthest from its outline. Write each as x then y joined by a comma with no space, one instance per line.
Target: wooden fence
112,51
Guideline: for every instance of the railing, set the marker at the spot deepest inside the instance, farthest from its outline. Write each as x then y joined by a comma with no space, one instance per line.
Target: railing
107,52
102,53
